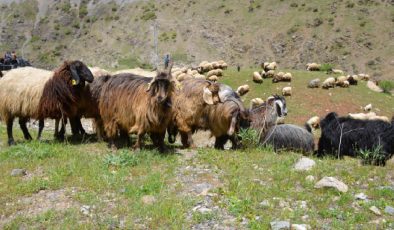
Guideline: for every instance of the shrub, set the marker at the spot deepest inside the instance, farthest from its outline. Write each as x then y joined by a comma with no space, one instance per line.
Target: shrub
372,156
387,86
326,67
249,138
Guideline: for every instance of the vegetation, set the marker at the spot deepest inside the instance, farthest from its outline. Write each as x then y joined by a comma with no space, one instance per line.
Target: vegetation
387,86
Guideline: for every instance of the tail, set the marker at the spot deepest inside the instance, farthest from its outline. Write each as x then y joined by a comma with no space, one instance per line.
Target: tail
231,130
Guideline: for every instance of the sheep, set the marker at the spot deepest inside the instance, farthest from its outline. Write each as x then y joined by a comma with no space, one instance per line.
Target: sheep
315,83
187,114
352,79
289,137
137,71
29,92
257,78
347,136
199,76
364,77
269,66
184,76
337,71
98,72
268,74
368,116
213,78
368,108
255,102
121,108
342,82
280,120
217,72
285,77
243,89
313,67
328,83
286,91
314,122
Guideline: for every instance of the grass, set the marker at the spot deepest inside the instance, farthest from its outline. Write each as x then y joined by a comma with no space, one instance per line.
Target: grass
113,183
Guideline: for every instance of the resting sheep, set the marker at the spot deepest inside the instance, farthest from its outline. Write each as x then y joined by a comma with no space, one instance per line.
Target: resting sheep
35,93
347,136
243,89
121,108
286,91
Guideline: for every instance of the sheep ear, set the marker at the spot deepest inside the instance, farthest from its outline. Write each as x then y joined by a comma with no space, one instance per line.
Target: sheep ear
74,74
207,96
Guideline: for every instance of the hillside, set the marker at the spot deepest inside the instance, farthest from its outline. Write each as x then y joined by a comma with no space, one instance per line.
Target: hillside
357,36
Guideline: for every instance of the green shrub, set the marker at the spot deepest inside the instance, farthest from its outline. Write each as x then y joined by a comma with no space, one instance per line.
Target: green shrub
374,156
326,67
387,86
249,138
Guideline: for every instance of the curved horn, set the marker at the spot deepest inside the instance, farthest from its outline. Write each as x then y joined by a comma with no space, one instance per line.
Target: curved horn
74,74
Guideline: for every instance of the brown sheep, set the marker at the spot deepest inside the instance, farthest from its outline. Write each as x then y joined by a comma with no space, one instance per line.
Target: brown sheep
132,104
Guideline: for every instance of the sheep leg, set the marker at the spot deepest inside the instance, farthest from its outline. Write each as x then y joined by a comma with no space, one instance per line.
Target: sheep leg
220,142
99,127
187,140
22,124
40,128
140,140
158,140
60,135
124,136
9,122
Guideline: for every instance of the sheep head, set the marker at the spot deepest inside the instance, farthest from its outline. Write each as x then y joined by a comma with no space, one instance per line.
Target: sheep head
211,93
80,72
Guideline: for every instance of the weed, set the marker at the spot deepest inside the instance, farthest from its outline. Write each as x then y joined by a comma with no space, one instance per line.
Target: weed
249,137
373,156
326,67
387,86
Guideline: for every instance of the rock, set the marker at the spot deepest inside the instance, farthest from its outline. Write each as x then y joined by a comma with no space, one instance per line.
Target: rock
204,210
389,210
278,225
375,210
332,182
361,196
265,203
18,172
304,164
85,209
310,178
300,227
148,199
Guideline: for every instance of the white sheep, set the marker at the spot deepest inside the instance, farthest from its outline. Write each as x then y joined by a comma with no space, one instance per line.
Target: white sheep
257,77
256,102
313,67
242,90
213,78
269,74
98,72
314,122
364,77
337,71
217,72
368,108
328,83
286,91
342,81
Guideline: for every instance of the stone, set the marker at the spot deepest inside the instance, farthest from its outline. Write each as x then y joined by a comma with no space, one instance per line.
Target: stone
310,178
304,164
18,172
361,196
148,199
332,182
375,210
85,209
278,225
204,210
300,227
389,210
265,203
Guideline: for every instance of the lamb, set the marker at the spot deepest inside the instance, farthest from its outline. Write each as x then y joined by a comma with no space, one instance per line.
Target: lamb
285,77
243,89
368,108
328,83
315,83
188,114
314,122
121,108
41,94
257,78
286,91
313,67
289,137
347,136
255,102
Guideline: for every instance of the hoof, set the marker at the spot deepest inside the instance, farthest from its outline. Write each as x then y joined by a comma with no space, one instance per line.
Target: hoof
11,142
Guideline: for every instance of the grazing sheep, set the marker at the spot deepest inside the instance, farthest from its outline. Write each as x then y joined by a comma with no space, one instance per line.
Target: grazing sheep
188,114
286,91
213,78
199,76
269,66
342,82
285,77
368,108
121,108
255,102
217,72
243,89
352,79
184,76
35,93
268,74
257,78
315,83
347,136
328,83
314,122
289,137
313,67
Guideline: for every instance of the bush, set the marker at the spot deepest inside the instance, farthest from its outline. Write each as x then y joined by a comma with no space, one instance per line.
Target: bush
326,67
374,156
387,86
249,138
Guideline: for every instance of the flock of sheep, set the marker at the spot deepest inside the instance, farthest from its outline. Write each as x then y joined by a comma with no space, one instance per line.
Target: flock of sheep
176,101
